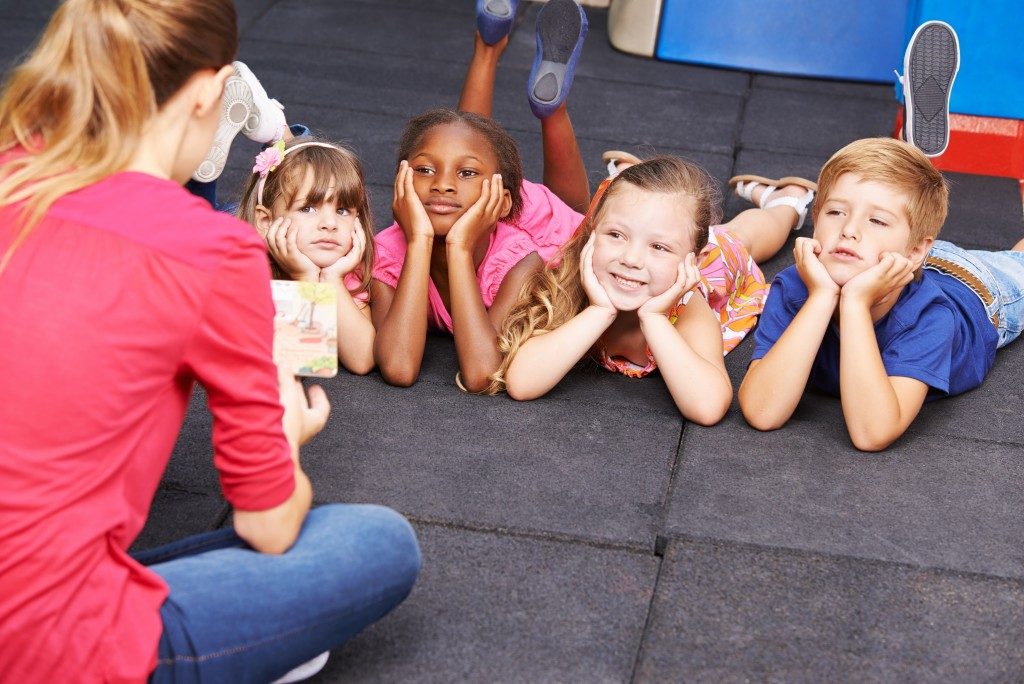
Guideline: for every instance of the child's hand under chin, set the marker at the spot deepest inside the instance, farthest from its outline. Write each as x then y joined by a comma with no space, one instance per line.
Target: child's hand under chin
596,293
481,217
347,262
280,238
686,279
808,265
877,284
407,207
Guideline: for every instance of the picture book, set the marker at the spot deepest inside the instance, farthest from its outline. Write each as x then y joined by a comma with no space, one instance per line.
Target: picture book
306,327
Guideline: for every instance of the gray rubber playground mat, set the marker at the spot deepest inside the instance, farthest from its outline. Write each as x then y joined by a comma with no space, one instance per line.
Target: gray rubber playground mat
812,122
545,524
498,608
438,454
930,501
728,612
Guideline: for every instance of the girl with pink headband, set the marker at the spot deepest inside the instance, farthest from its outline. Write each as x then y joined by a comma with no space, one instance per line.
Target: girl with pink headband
307,199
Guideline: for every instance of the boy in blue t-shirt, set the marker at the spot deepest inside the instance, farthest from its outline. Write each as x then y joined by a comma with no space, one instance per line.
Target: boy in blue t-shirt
876,310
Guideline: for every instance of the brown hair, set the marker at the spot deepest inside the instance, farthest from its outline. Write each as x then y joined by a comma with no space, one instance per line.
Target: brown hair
897,164
510,164
553,295
336,171
99,72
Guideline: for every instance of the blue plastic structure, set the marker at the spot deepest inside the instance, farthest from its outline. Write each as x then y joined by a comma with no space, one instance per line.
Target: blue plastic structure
991,78
844,39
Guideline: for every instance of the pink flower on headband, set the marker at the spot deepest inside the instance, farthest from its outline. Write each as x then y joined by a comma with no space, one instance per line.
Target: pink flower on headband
269,159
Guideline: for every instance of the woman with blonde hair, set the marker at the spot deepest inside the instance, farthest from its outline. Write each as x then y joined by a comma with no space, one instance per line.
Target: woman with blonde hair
118,291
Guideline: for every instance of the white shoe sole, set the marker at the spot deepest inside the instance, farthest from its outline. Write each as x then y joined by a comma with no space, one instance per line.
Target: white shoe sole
237,110
305,670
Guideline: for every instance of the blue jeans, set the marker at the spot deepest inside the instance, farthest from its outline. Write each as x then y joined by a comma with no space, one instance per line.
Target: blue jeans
1003,276
237,615
208,191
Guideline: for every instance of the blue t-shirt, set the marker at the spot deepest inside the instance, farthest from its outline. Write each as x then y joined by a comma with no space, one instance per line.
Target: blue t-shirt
938,333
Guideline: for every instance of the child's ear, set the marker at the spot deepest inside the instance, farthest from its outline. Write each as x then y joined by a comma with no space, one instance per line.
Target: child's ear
506,204
263,220
919,252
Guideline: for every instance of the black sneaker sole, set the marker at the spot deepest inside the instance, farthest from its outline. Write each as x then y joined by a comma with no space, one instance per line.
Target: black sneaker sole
930,67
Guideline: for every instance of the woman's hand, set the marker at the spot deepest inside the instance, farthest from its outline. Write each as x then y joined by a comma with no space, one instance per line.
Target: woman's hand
304,416
280,239
348,262
596,293
408,208
687,278
480,218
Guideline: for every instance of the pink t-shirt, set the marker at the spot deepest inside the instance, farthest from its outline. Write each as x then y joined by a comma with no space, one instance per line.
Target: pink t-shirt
124,295
544,225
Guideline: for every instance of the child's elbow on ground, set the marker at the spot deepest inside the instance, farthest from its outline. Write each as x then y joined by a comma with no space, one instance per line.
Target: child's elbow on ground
399,377
864,441
360,368
709,415
759,420
518,393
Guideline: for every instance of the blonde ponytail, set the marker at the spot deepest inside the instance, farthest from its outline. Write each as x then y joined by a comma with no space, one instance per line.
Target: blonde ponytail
98,74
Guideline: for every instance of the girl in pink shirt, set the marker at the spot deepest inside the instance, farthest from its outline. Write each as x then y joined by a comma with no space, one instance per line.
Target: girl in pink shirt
469,230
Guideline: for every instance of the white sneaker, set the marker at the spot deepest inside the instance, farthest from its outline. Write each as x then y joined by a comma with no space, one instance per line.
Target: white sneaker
305,670
266,118
245,107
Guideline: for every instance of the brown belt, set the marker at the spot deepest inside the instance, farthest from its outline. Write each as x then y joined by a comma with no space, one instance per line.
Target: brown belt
972,281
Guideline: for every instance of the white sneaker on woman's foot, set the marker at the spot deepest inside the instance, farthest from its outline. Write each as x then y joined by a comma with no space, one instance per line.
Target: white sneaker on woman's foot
245,107
305,670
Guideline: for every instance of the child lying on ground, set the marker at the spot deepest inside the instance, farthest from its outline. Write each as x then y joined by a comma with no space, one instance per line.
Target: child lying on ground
630,290
868,314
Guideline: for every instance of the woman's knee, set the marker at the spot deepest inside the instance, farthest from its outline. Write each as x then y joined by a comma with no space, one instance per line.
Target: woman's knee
382,537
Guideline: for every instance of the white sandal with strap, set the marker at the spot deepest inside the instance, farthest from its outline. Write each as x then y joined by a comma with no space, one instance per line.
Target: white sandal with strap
745,185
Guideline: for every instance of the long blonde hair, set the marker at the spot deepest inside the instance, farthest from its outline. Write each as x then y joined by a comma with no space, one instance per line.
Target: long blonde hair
101,69
333,166
553,295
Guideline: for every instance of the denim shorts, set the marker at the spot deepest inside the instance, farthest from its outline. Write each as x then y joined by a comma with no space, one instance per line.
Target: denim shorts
996,277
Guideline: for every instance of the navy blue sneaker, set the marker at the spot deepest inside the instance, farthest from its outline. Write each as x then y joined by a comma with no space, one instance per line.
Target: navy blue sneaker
929,69
494,18
561,28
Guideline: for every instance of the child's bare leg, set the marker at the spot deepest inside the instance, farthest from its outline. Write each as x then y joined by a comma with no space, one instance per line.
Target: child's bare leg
564,173
1019,247
478,89
765,231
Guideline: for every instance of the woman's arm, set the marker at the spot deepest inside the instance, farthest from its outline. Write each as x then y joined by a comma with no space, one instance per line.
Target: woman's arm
400,314
275,530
